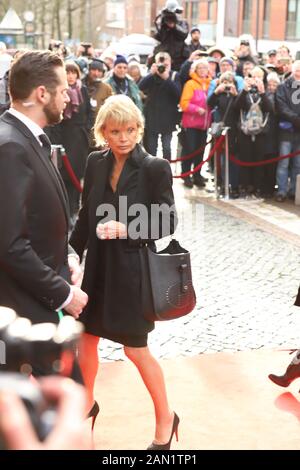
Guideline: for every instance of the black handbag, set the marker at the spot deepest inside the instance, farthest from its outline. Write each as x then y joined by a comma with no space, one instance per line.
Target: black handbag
167,287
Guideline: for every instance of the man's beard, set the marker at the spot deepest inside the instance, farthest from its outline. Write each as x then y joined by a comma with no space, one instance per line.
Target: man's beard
53,115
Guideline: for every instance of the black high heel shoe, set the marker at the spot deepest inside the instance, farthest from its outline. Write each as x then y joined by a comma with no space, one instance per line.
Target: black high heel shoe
167,446
93,413
292,373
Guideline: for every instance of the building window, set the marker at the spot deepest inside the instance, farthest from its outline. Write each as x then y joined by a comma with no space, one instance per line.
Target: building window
247,16
293,20
195,12
266,23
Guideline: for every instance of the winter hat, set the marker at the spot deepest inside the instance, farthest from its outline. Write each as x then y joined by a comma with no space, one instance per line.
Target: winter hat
120,59
96,64
228,60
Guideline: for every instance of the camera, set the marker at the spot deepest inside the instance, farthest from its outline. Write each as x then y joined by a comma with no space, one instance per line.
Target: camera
228,88
161,68
86,46
253,89
47,347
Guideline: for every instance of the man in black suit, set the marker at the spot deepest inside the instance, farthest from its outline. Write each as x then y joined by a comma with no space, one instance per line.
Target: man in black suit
38,271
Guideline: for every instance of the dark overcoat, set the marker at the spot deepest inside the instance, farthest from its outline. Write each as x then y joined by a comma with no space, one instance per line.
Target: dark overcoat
122,312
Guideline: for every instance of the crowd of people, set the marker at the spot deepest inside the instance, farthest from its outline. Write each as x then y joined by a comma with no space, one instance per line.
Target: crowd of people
255,98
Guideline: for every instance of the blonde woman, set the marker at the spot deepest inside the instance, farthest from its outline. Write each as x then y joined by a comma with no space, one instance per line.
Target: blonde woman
112,274
196,118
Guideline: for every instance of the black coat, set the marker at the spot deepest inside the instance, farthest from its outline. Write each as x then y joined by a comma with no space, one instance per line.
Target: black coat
287,103
73,135
145,182
161,107
172,41
34,226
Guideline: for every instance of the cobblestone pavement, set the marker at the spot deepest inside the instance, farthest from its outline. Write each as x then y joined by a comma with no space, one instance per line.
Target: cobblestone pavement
246,280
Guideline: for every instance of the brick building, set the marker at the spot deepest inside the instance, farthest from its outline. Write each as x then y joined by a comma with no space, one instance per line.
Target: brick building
271,22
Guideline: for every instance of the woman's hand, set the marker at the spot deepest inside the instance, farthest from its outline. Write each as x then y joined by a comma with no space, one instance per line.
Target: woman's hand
201,111
111,230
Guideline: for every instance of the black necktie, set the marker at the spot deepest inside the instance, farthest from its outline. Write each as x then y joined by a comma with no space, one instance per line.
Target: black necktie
46,145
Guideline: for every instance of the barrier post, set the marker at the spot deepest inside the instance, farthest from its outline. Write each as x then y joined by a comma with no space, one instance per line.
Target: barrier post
226,179
297,198
216,172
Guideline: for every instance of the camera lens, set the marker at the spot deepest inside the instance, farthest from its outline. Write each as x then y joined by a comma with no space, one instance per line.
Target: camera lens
161,68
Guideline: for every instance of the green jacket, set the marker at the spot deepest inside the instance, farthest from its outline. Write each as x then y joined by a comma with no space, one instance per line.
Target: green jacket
133,90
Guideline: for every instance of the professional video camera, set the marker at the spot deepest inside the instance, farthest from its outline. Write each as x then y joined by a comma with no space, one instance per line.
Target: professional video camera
171,33
170,11
48,347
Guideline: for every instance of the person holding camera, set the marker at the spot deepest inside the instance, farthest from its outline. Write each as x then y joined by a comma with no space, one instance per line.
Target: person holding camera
162,87
171,33
69,433
196,119
222,101
254,107
226,64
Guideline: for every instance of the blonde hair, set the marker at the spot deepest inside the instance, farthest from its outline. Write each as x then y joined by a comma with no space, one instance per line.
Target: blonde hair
120,109
199,62
227,76
273,77
258,71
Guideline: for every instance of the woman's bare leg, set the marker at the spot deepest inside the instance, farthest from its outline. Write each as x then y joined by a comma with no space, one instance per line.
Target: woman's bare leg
89,362
153,377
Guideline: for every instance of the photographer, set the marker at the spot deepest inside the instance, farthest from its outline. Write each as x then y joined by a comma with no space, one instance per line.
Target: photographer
163,89
69,431
254,107
223,101
171,33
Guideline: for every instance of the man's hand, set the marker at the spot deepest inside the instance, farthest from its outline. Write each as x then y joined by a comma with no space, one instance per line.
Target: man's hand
111,230
153,68
78,302
195,55
75,270
69,431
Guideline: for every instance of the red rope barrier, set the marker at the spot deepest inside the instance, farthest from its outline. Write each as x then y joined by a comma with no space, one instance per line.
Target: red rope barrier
264,162
198,167
71,173
191,155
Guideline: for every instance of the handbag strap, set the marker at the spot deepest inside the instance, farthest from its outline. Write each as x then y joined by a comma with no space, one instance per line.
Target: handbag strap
227,109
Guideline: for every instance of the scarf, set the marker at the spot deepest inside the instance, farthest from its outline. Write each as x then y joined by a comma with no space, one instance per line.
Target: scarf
75,95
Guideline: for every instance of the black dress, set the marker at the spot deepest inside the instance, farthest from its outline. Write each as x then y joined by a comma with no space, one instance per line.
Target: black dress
112,275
